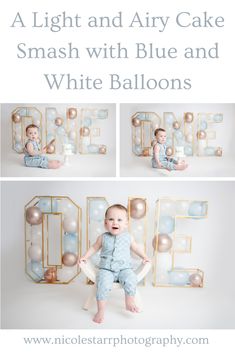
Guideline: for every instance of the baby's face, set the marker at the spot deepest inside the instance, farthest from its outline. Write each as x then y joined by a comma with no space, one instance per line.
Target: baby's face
116,221
32,133
161,137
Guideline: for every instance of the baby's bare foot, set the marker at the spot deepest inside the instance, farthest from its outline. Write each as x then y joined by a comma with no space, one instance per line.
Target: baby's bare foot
130,305
99,317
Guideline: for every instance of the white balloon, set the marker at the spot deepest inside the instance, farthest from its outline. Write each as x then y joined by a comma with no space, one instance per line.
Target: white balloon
70,225
137,140
72,135
36,235
17,137
35,252
167,207
182,207
189,137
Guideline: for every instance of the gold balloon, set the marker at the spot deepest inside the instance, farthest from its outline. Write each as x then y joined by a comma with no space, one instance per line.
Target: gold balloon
146,152
59,121
16,118
195,280
136,122
164,243
201,135
50,149
50,275
137,208
34,215
169,151
176,125
102,149
188,117
219,152
84,131
69,259
72,113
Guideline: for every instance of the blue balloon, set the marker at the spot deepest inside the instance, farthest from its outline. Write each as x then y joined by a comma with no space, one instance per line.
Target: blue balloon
35,270
102,114
188,150
179,135
93,148
197,209
18,147
209,151
178,278
50,137
137,150
169,118
169,141
97,210
166,224
70,242
87,122
218,118
61,131
51,113
47,206
203,125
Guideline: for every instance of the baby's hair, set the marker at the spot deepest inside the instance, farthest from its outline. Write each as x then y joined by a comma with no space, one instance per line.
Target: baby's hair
31,126
158,130
117,205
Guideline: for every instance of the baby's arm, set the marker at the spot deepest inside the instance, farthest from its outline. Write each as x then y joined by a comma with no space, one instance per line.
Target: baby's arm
92,250
136,248
156,150
30,150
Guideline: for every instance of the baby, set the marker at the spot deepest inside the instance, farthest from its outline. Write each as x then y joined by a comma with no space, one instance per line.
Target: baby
160,159
33,157
115,260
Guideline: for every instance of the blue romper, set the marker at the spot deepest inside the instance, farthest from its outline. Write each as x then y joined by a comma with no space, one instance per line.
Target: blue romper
35,161
115,265
167,163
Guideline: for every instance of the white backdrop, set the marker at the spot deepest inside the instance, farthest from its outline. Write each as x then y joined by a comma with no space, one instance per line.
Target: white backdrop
29,305
132,165
80,164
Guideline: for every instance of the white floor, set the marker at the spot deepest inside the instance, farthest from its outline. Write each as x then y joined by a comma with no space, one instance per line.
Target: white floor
198,167
35,306
79,166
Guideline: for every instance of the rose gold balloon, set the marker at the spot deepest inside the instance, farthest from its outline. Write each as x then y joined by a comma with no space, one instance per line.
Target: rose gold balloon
16,118
50,275
34,215
164,243
69,259
102,149
145,152
188,117
176,125
59,121
84,131
72,113
137,208
219,152
196,280
50,149
201,135
136,122
169,151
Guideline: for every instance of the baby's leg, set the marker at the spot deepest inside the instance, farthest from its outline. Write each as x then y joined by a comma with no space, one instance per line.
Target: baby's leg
181,166
128,280
104,285
54,164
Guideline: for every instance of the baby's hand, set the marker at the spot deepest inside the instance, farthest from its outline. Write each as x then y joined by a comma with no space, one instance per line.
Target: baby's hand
145,259
44,149
82,259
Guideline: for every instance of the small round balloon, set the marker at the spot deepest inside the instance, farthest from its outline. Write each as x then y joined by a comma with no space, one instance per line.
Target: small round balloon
59,121
178,278
50,149
146,152
166,224
176,125
70,242
195,280
35,252
201,135
169,151
136,122
137,208
72,113
84,131
102,149
34,215
197,209
219,152
188,117
16,118
70,225
69,259
72,135
164,243
50,275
